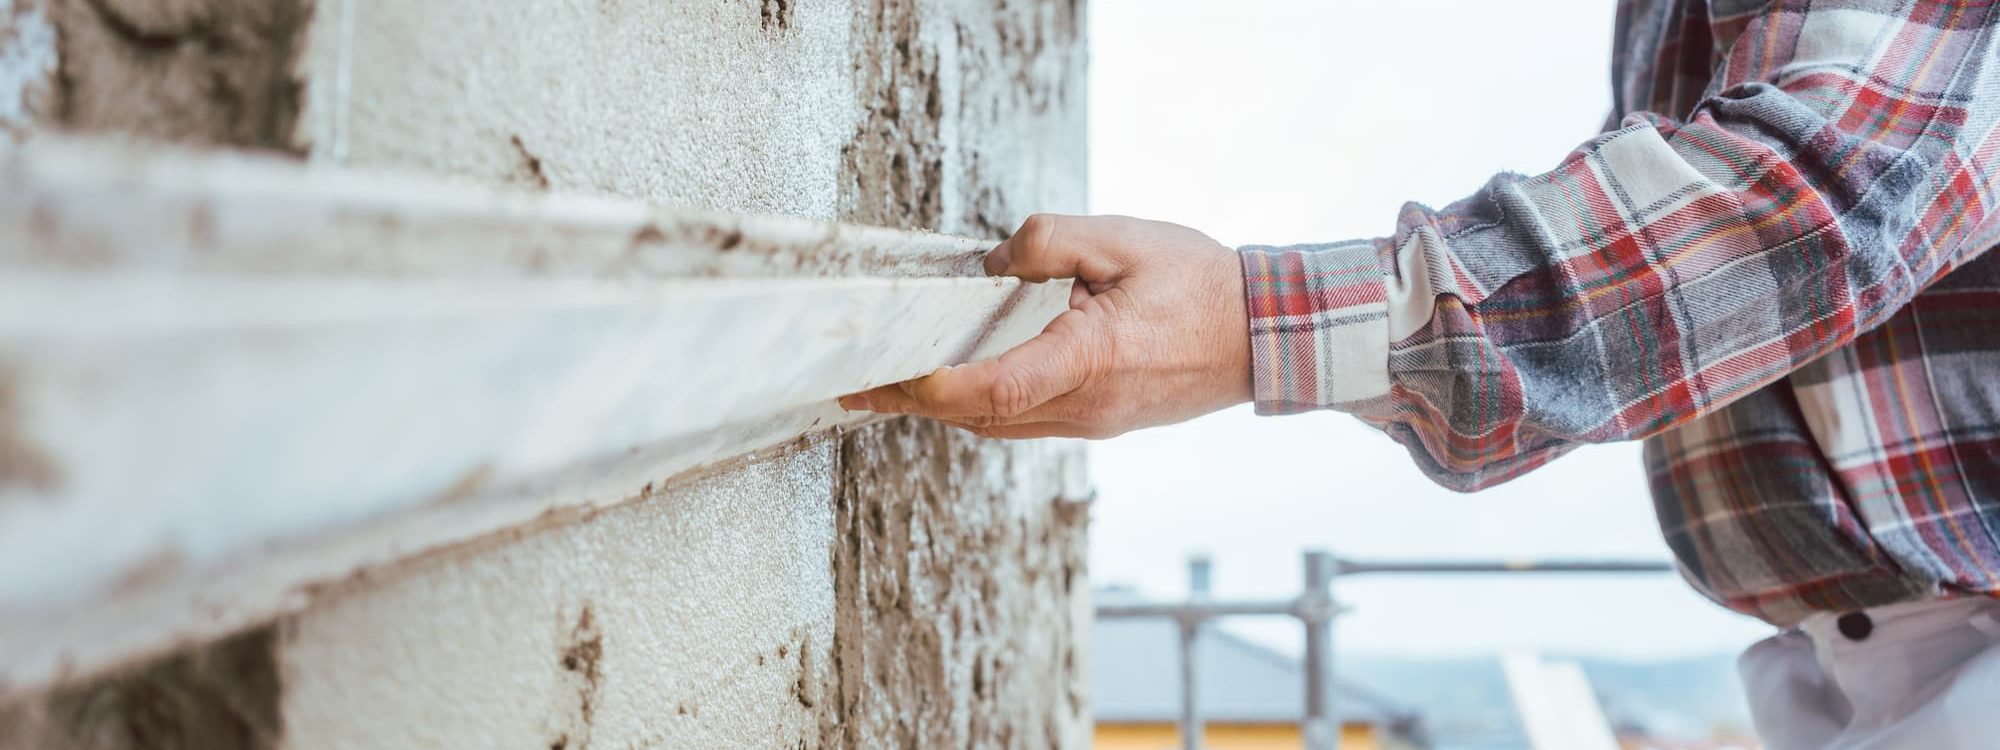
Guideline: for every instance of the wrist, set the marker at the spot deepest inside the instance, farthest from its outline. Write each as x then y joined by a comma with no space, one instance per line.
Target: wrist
1228,325
1236,333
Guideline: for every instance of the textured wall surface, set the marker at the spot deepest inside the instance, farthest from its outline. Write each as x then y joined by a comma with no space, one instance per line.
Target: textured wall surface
709,616
698,617
721,105
899,585
222,696
896,586
956,115
963,607
192,71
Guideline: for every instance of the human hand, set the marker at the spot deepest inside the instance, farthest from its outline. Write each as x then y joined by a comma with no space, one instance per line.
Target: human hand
1156,333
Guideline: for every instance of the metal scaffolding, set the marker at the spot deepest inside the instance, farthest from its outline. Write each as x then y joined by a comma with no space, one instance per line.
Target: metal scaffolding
1315,607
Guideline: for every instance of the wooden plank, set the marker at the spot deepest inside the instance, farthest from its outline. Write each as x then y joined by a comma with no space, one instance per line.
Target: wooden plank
224,380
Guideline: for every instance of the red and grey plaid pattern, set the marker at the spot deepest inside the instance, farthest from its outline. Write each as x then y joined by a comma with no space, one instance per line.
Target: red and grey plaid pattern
1770,268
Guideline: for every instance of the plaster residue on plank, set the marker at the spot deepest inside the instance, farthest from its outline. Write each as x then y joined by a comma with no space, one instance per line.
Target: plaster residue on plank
86,205
24,466
158,389
192,71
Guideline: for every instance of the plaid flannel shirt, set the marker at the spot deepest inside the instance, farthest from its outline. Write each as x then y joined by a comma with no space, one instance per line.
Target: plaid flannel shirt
1770,267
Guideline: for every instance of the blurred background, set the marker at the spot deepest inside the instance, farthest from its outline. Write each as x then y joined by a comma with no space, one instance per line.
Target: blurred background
1275,122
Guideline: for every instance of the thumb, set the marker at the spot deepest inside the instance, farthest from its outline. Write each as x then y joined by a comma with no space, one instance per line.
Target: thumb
1049,365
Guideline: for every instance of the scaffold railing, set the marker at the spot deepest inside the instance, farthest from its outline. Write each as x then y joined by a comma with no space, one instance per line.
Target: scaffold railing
1315,608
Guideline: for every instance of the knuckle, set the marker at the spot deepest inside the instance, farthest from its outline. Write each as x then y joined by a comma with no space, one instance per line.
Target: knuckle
1038,235
1035,225
1045,229
1012,394
1025,239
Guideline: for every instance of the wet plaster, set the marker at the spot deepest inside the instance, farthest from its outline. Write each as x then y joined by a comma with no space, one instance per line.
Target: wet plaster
959,576
207,72
27,66
222,696
971,114
1018,113
892,170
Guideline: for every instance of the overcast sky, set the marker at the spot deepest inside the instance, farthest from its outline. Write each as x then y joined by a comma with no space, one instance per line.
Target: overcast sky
1277,121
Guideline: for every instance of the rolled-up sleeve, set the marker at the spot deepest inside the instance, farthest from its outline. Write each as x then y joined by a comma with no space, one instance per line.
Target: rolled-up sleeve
1844,161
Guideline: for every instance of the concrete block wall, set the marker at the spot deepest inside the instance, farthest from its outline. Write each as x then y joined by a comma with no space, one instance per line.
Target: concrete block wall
891,585
954,115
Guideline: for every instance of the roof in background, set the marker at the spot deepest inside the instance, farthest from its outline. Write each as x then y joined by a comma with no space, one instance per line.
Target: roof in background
1136,677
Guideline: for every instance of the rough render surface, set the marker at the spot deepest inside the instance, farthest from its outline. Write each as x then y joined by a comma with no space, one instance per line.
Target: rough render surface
963,600
898,586
221,697
201,71
690,619
27,66
956,115
953,115
702,104
971,114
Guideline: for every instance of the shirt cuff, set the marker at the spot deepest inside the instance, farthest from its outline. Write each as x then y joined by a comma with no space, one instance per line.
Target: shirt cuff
1319,326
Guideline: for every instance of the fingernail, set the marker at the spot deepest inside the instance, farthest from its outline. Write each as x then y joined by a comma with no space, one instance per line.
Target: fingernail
996,261
856,403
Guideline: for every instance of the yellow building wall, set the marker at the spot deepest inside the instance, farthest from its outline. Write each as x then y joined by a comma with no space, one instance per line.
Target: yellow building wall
1226,737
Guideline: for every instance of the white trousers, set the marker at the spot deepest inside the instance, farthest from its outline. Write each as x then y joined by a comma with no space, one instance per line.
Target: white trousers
1924,676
